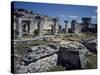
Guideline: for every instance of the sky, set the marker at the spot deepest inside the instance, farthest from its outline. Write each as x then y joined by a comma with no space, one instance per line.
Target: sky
63,11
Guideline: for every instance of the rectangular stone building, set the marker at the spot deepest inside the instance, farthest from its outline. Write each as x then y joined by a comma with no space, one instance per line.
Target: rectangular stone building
25,23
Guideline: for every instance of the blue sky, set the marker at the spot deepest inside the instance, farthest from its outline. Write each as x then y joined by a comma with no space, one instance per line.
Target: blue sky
64,12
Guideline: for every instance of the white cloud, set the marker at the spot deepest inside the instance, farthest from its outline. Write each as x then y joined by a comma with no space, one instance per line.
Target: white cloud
62,16
94,17
73,17
79,21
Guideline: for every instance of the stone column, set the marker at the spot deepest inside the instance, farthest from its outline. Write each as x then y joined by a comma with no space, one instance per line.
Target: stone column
26,28
55,26
60,30
66,26
32,26
39,29
39,24
74,26
19,24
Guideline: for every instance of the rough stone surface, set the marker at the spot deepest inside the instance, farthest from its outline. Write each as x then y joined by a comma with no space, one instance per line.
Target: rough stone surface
43,65
72,55
37,59
91,45
20,68
40,58
33,22
38,52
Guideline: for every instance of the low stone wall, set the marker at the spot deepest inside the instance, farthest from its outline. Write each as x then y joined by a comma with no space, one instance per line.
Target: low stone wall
72,56
44,64
91,45
37,59
40,58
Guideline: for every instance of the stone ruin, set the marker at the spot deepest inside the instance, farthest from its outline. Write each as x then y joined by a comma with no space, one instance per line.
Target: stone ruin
70,55
30,23
40,58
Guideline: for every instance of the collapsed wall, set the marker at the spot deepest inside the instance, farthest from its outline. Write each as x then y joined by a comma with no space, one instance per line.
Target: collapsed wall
40,58
72,55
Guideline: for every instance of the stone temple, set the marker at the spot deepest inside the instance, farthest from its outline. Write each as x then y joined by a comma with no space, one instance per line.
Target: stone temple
28,23
59,48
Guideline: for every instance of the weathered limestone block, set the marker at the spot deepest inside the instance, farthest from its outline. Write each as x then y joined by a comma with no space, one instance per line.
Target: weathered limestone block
91,45
37,59
82,60
20,68
72,55
43,65
38,52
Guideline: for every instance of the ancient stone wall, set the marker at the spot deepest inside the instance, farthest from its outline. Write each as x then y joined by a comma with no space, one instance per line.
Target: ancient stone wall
41,58
47,22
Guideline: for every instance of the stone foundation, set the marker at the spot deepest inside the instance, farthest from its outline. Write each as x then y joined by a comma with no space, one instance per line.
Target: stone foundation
41,58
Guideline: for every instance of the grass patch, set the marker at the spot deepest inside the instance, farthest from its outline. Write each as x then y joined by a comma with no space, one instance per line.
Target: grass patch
91,61
56,68
74,37
21,48
28,36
